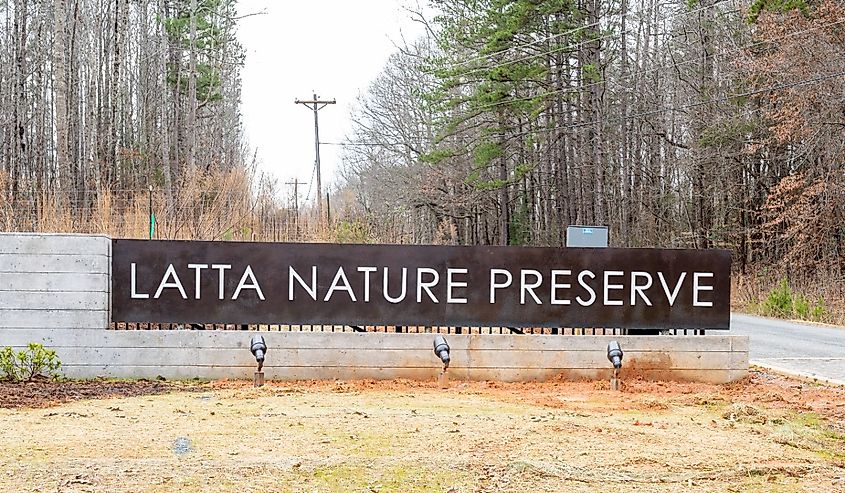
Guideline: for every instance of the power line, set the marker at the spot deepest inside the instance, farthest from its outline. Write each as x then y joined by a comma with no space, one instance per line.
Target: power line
310,182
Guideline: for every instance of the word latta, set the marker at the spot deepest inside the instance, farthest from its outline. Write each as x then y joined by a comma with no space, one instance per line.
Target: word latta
279,283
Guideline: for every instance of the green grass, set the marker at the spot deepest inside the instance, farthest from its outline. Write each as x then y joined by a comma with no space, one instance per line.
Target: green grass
396,479
810,432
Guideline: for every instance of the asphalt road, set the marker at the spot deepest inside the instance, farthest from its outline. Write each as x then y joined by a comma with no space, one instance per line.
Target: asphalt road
813,351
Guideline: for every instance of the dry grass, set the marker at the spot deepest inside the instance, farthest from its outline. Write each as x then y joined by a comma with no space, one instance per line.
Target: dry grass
214,205
749,292
407,437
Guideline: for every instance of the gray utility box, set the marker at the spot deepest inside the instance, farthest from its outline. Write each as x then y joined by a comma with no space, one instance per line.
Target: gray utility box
586,236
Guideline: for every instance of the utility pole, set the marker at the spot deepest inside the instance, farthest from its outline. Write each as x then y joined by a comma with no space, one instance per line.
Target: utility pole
295,184
316,105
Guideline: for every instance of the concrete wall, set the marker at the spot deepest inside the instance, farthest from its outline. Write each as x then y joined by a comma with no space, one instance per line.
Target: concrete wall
54,281
313,355
54,289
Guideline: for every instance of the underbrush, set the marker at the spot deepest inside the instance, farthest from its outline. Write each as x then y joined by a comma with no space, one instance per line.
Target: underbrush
815,302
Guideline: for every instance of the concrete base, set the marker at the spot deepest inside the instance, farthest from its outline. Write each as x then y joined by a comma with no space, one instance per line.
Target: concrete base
185,354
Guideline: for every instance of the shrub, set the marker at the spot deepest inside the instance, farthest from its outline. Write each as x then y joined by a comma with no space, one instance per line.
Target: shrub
783,302
351,232
818,312
801,306
28,363
8,364
779,301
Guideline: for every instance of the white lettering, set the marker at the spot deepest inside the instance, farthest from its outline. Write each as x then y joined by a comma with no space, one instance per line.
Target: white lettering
696,287
253,285
197,269
221,268
311,290
404,286
340,276
608,287
494,285
452,283
639,289
584,285
176,283
366,271
426,285
135,294
671,297
529,288
556,285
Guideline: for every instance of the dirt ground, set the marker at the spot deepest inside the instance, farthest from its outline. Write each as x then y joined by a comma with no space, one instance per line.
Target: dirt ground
765,434
46,393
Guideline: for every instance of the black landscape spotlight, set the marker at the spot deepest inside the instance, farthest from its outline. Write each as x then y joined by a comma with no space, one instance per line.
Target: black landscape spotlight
614,355
258,348
441,349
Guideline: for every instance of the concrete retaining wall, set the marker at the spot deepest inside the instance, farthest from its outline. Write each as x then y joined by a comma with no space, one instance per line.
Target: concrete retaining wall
54,281
54,289
186,354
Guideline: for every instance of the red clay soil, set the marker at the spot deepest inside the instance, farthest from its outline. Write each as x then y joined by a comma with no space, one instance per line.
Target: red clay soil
768,389
772,390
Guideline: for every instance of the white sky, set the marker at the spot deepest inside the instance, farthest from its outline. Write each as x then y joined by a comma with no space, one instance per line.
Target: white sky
332,47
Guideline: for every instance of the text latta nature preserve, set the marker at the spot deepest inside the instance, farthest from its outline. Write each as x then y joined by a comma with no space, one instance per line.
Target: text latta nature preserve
285,283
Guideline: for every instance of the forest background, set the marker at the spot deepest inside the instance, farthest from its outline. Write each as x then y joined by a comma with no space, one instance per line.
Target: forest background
678,124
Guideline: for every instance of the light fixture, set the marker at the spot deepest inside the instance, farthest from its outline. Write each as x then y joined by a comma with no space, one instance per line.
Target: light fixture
441,349
258,348
614,355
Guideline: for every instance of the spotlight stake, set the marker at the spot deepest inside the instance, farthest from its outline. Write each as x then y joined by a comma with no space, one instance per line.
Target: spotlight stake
441,349
614,355
258,348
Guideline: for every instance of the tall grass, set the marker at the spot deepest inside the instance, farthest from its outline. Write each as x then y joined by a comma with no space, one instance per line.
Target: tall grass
210,206
818,300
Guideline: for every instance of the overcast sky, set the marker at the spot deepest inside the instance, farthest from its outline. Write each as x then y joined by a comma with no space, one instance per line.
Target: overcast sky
332,47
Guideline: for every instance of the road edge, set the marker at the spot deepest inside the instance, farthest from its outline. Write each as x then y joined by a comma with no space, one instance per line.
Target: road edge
806,377
809,323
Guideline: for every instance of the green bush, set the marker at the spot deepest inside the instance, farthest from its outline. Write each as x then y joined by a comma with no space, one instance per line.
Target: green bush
8,365
28,363
779,301
351,232
783,302
801,306
818,311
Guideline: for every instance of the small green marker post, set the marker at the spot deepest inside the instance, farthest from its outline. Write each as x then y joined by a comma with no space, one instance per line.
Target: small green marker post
152,215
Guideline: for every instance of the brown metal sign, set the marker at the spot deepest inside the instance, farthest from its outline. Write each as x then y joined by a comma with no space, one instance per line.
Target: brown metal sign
284,283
